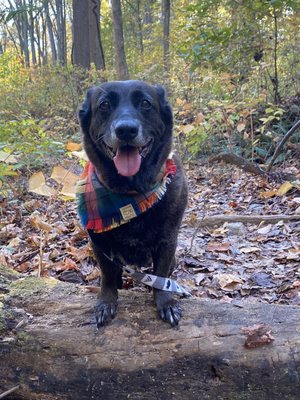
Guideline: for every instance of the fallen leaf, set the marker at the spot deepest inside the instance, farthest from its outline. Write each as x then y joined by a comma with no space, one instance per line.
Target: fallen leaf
81,155
198,278
14,242
228,282
80,254
262,279
187,106
257,335
186,129
264,230
250,249
216,246
179,102
66,265
240,127
38,223
62,175
199,118
93,275
284,188
24,267
37,184
7,158
71,146
268,194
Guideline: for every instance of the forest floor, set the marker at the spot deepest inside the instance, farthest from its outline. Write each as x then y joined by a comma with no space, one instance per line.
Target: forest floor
233,262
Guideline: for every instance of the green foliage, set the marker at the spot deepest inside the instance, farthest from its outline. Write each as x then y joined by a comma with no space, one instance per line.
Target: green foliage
29,142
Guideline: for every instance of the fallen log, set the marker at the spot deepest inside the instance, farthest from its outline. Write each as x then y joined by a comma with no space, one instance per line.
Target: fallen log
50,348
219,219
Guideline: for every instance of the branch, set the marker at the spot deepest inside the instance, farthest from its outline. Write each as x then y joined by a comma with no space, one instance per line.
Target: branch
248,219
281,144
241,162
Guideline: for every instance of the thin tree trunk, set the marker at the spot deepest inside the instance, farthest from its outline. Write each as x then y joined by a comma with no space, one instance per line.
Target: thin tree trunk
166,35
119,48
275,79
50,33
25,29
95,44
32,34
140,26
61,31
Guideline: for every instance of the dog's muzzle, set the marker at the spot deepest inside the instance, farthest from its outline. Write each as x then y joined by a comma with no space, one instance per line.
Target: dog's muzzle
127,146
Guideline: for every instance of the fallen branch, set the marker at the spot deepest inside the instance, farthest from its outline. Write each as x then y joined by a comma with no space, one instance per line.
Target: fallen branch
248,166
281,144
9,391
245,165
247,219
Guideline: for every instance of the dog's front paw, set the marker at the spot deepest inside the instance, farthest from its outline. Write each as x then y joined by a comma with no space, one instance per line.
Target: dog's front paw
105,312
167,307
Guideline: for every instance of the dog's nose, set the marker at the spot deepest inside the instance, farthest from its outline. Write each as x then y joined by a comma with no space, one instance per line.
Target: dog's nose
126,129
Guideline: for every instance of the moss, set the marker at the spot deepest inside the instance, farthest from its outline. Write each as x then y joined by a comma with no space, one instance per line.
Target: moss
27,287
8,273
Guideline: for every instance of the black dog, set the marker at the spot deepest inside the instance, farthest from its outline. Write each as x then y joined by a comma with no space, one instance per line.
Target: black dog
127,135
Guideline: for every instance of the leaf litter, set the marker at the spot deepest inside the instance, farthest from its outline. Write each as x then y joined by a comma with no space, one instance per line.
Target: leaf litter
232,262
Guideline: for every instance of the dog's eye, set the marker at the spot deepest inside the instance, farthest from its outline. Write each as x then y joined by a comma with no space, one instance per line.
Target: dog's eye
104,105
146,105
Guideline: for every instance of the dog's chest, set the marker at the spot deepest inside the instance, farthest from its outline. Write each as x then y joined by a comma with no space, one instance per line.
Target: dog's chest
133,243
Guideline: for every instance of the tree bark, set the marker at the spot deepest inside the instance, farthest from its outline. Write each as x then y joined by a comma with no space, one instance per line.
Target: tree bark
120,56
50,33
87,44
60,18
95,43
50,348
166,35
81,50
32,33
140,25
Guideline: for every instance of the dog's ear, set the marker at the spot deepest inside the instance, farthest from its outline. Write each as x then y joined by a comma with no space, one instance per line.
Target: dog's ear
165,107
85,111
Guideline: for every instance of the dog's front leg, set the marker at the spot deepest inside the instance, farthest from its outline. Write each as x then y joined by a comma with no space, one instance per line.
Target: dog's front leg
111,277
163,263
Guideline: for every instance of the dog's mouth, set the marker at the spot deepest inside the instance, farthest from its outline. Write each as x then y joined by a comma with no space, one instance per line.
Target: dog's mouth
128,158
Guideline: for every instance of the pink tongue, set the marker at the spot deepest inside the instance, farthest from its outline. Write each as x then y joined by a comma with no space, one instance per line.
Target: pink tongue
127,160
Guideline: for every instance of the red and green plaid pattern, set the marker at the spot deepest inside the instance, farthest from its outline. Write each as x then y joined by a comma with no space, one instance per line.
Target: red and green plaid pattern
101,210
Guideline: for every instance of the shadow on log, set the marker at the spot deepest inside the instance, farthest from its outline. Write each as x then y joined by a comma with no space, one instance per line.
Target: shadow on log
50,347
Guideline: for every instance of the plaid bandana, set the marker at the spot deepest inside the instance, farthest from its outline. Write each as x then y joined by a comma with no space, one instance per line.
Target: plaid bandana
101,210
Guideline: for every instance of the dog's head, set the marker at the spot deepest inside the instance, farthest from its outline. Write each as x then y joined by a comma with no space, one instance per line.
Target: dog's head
127,129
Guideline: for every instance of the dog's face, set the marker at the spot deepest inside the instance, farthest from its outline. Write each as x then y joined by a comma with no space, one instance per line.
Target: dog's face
127,126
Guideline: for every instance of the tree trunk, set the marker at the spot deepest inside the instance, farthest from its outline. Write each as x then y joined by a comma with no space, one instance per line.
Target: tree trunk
87,45
50,33
32,34
49,346
166,35
81,51
21,23
120,57
95,43
60,19
275,79
140,25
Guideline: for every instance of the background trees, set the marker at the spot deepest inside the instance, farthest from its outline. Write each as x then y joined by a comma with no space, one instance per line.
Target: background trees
236,61
149,37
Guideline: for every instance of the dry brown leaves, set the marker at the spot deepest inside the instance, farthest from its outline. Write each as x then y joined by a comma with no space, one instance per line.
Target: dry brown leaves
232,262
